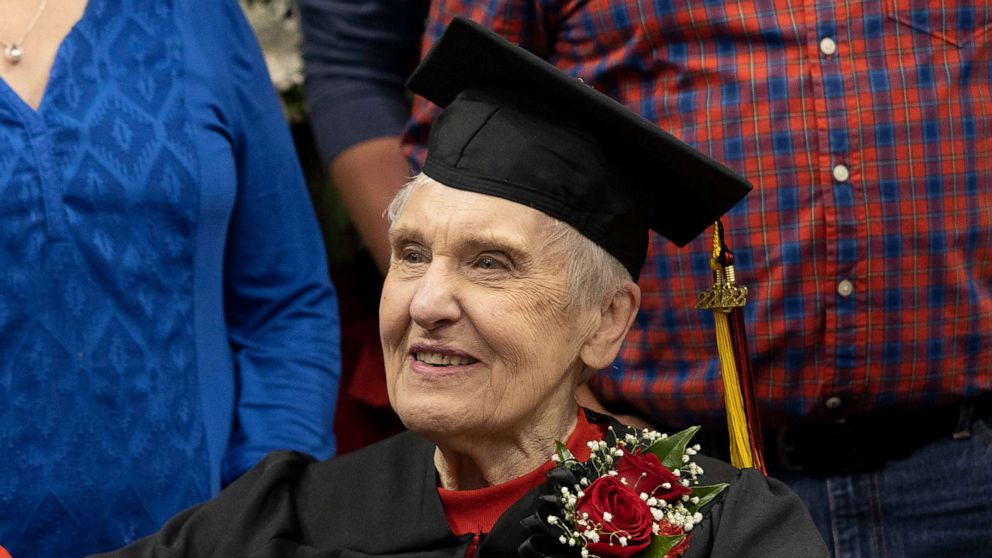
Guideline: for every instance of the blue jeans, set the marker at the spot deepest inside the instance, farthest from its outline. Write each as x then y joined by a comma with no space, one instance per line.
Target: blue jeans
936,502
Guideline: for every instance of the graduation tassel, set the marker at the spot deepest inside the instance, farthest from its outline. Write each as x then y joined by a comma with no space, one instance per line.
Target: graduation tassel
726,299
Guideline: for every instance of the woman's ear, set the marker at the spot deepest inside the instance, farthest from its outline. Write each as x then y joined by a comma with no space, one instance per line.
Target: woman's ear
617,315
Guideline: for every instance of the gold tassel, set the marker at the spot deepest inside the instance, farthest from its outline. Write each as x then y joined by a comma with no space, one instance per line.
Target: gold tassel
740,441
724,297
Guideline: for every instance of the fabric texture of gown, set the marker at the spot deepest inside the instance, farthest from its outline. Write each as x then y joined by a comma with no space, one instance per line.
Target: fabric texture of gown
383,501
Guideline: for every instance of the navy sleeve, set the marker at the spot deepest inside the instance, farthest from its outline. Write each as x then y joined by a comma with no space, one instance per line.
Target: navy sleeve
280,307
357,57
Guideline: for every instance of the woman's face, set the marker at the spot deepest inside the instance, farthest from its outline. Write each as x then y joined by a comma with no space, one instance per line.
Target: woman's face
476,328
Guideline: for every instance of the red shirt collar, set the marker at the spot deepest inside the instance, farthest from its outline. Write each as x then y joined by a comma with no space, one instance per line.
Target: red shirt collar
476,511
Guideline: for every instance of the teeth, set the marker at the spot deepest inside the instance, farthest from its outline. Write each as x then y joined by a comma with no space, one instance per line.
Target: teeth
437,359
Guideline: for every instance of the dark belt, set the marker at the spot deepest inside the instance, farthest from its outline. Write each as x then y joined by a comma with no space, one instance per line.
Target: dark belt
857,444
867,442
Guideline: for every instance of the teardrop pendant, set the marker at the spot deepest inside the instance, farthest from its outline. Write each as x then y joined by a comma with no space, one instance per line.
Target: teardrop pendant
13,53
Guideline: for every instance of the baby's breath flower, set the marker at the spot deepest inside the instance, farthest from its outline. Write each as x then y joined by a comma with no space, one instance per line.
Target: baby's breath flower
578,529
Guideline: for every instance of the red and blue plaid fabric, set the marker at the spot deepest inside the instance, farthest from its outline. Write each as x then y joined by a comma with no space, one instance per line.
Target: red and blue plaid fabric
867,243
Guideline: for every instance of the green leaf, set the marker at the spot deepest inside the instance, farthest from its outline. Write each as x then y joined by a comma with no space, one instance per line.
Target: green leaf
705,494
563,453
670,450
661,545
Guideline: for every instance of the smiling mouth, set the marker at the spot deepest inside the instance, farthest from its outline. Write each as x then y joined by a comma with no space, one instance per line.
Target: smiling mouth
439,359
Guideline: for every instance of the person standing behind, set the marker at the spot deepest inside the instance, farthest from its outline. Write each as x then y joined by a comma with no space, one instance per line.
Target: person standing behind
866,130
167,318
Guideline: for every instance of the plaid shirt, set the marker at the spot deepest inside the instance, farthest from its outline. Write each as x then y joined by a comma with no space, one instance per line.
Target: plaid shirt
867,243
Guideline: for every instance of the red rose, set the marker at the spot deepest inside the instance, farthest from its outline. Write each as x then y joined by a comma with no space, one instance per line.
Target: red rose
668,529
643,472
620,513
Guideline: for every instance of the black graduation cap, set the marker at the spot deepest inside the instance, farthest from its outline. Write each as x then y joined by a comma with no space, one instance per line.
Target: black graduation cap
518,128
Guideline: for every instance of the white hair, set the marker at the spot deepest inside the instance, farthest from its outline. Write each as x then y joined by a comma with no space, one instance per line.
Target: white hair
594,275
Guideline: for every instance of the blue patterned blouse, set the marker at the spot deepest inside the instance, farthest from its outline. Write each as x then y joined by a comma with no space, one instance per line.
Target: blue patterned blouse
165,312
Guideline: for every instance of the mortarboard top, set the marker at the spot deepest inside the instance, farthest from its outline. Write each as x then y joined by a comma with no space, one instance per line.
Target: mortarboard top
518,128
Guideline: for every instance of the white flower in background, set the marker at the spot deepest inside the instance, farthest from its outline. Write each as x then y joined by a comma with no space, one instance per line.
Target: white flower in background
277,28
278,31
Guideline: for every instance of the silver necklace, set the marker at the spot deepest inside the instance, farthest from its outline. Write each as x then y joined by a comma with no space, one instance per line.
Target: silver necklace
13,51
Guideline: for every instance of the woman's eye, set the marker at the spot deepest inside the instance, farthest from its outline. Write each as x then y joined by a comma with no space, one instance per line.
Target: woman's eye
413,257
490,263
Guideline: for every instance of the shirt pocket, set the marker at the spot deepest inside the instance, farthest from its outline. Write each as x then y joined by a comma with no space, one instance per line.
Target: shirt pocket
958,22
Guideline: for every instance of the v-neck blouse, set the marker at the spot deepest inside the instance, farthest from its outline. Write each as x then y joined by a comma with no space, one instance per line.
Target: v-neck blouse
166,317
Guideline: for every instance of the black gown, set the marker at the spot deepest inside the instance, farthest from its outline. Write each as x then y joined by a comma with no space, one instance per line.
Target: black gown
383,501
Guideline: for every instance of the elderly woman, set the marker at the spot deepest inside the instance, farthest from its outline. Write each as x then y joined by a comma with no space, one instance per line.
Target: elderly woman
511,281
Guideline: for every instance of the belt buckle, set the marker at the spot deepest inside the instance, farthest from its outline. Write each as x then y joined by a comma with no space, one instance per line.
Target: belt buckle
791,455
785,450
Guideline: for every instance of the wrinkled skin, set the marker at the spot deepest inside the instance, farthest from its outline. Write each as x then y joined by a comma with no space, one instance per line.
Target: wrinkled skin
473,280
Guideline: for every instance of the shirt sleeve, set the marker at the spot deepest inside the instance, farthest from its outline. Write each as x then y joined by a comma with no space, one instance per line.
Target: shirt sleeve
280,308
357,57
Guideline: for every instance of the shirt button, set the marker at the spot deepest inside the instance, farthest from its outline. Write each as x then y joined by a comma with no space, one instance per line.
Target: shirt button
828,46
841,173
845,288
834,402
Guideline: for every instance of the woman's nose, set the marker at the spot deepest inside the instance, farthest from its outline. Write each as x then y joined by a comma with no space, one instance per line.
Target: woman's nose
435,302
